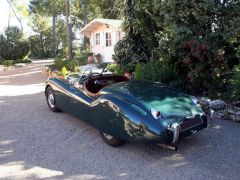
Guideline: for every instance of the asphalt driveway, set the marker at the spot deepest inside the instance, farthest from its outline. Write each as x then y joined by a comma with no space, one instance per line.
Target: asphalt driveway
36,143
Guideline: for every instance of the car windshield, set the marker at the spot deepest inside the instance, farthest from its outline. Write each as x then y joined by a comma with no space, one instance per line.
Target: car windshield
86,71
93,68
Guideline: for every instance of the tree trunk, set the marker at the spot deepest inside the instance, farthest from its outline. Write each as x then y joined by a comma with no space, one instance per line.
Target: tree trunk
42,46
85,21
69,31
54,35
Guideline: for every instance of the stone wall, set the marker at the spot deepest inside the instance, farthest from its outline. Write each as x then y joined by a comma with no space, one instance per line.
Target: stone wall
221,109
4,68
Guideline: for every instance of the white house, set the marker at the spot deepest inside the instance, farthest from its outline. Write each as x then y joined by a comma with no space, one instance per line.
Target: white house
103,34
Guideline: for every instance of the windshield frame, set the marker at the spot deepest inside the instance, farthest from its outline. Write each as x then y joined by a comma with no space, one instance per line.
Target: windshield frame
89,69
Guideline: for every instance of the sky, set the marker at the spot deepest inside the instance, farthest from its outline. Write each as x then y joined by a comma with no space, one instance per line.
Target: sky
4,12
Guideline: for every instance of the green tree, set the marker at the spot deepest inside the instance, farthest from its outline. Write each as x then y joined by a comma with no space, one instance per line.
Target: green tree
41,42
132,49
12,44
200,38
69,30
51,8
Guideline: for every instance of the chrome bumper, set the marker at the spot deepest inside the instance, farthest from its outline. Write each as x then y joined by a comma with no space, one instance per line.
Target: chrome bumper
175,128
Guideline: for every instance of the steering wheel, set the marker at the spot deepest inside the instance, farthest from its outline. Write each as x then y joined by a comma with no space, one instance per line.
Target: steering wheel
94,74
89,76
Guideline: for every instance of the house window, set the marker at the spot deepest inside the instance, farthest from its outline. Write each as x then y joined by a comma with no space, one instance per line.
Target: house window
108,39
97,39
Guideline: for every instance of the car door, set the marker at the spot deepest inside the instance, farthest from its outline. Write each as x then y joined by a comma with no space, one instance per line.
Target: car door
78,103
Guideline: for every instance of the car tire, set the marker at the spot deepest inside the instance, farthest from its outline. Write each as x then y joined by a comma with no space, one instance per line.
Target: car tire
110,140
51,100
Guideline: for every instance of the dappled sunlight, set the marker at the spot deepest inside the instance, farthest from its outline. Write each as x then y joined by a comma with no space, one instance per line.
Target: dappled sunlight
86,176
5,153
217,127
175,157
14,90
20,168
179,164
173,160
17,169
122,174
7,142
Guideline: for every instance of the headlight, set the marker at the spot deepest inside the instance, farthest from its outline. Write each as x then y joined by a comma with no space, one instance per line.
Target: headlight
155,113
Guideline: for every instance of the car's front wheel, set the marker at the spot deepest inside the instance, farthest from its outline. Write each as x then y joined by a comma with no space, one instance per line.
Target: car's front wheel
51,101
111,140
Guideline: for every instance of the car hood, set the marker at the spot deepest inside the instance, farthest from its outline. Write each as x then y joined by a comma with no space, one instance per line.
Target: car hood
168,101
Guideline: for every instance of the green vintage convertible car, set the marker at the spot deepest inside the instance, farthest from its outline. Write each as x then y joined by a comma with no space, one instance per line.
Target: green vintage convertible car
123,110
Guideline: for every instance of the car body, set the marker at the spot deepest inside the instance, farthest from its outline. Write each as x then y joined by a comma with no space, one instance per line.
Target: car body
123,110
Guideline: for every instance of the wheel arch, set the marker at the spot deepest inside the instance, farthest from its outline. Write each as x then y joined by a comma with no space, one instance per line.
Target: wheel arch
46,87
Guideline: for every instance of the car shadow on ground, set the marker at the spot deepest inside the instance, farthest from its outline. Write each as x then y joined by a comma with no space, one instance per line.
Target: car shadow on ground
36,143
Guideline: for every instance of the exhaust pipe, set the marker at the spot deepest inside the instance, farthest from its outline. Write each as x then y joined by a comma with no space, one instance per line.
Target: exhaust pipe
171,147
168,146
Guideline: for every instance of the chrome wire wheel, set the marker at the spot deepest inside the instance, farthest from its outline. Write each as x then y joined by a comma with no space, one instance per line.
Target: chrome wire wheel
111,140
108,136
51,100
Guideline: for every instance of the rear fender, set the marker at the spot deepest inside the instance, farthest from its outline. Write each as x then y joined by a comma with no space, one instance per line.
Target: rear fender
124,119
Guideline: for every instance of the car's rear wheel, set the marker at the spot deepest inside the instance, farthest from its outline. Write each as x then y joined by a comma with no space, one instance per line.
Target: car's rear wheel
111,140
51,101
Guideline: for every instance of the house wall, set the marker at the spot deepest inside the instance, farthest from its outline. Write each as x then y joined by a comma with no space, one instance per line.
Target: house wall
105,52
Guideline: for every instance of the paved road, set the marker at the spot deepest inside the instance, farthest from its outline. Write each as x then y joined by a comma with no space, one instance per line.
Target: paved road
36,143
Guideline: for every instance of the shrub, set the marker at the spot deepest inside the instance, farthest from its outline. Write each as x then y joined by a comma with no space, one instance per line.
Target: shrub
115,68
235,92
138,71
8,63
26,61
70,65
112,67
64,71
119,70
159,71
12,44
82,55
59,63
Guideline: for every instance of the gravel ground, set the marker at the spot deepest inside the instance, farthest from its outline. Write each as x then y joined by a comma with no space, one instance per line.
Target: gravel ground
36,143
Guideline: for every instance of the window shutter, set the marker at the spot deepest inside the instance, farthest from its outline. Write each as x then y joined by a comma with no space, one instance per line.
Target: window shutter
103,39
92,39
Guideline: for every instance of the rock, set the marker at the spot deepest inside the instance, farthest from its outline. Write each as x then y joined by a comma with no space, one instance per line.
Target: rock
219,114
217,104
230,111
235,118
238,113
236,104
19,65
